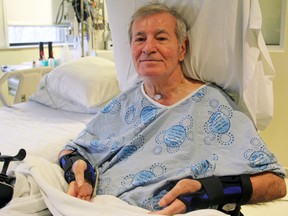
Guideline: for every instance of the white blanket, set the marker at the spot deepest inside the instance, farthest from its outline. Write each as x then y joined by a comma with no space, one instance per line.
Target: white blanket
40,190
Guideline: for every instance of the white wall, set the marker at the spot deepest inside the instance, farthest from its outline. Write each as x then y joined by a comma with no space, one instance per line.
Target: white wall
275,134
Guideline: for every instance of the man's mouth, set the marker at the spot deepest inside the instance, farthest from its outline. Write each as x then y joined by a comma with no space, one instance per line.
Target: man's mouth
150,60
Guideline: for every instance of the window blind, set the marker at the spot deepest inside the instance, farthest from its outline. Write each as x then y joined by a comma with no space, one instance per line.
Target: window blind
31,12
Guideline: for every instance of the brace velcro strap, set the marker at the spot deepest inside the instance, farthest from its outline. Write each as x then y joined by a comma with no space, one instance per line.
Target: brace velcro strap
247,189
66,162
216,191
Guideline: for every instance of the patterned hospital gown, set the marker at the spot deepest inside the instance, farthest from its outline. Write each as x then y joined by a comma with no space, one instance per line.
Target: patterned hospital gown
140,145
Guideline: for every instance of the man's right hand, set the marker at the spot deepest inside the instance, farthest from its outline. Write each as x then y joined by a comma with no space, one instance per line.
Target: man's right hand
80,188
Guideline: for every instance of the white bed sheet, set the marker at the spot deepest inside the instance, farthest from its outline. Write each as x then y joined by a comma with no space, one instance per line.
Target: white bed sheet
40,184
40,130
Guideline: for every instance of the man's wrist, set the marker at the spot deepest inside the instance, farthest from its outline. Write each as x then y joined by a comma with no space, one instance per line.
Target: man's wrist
219,191
66,162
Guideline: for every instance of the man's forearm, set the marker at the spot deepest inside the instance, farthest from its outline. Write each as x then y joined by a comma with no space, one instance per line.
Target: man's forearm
267,187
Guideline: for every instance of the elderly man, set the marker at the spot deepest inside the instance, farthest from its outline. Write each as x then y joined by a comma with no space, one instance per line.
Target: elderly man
170,144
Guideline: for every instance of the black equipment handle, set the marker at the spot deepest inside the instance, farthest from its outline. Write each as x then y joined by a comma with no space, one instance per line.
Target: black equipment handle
7,159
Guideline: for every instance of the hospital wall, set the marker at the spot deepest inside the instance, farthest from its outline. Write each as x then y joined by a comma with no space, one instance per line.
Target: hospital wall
275,135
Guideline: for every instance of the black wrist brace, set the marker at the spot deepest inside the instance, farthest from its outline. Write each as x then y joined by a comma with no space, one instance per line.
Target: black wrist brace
219,191
66,162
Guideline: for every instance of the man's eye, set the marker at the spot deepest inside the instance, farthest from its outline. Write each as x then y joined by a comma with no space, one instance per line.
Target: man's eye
161,38
139,39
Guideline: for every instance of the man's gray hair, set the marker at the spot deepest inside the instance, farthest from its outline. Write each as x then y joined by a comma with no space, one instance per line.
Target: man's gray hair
156,8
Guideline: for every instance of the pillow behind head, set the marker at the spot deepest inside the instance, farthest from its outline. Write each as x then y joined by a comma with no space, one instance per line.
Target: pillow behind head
84,83
215,45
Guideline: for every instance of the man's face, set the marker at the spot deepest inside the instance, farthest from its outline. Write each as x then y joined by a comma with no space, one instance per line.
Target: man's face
154,46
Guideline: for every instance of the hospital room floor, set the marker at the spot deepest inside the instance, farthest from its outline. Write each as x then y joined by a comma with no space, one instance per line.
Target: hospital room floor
278,208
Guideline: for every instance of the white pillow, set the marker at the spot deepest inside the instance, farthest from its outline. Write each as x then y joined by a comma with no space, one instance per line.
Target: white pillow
226,47
81,85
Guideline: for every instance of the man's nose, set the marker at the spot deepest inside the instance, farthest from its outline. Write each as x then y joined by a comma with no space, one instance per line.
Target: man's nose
150,46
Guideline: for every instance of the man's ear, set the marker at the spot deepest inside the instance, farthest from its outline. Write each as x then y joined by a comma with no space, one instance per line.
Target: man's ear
183,48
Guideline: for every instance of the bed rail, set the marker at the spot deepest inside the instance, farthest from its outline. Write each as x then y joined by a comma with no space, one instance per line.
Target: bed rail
27,82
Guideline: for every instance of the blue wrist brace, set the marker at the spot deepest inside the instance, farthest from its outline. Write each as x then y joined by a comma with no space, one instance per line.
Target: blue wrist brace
219,191
66,162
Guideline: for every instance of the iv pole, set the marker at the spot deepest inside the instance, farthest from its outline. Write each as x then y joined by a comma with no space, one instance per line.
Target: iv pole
82,27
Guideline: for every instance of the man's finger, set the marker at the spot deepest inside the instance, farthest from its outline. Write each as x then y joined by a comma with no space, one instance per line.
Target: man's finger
78,168
71,189
176,207
182,187
169,197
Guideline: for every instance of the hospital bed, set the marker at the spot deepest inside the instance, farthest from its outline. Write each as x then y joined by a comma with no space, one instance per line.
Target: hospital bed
60,102
68,97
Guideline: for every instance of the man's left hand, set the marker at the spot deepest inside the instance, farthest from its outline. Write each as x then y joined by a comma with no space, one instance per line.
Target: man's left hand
171,203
